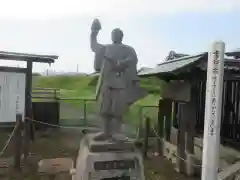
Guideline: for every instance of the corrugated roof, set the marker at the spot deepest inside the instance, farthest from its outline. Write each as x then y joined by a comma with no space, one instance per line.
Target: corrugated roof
172,65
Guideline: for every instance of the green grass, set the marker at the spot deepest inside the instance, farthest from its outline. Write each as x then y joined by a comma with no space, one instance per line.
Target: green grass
84,87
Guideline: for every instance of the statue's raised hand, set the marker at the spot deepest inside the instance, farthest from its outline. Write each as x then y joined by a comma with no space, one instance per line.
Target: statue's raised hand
96,26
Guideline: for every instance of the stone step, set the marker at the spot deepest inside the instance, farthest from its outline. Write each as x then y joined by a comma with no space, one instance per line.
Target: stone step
55,166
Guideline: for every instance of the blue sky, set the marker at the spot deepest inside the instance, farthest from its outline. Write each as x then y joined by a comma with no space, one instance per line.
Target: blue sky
184,26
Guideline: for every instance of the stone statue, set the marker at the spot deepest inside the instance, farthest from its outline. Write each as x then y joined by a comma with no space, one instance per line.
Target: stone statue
117,86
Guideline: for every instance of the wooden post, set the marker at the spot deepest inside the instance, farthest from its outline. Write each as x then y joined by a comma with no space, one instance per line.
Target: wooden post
28,109
190,109
160,126
55,94
85,112
140,133
147,130
181,139
175,123
26,138
18,142
168,119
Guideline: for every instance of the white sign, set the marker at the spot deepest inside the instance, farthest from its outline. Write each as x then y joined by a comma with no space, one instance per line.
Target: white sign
213,112
12,95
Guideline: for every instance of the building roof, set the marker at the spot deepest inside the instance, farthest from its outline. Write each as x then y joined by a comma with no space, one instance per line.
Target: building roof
182,64
235,53
4,55
143,69
171,66
173,55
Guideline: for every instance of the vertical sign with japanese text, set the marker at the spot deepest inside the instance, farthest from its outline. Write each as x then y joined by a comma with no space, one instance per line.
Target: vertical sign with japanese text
213,111
17,97
214,78
214,87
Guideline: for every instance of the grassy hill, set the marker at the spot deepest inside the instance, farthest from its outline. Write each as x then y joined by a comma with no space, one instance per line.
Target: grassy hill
84,87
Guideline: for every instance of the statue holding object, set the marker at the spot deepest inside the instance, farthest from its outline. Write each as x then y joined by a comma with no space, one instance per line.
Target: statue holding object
117,86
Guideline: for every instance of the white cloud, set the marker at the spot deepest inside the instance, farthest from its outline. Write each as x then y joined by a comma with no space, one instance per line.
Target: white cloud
42,9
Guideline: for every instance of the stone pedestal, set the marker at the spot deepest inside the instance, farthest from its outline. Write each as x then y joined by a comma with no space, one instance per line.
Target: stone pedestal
108,161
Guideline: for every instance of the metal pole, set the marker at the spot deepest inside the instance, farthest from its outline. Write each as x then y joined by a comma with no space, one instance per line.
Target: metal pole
213,106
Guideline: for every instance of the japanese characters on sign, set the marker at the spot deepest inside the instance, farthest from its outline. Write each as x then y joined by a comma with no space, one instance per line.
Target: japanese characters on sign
214,78
17,98
213,109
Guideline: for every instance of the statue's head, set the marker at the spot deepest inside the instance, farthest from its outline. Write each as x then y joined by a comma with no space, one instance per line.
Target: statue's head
117,36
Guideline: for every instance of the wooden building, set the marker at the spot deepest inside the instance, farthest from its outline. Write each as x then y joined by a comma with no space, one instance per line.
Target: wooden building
16,84
183,101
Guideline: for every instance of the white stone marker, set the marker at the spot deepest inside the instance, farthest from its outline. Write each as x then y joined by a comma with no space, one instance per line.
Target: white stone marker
213,111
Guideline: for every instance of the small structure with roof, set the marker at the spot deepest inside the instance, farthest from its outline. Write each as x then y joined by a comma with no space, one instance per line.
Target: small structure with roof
182,107
16,97
16,85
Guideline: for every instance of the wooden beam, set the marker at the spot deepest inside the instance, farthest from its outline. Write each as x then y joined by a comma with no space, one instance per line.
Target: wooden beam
191,118
160,127
231,76
181,155
190,109
13,69
168,120
28,109
147,132
18,142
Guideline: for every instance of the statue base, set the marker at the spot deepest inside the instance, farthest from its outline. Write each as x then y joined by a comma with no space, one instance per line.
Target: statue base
108,160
